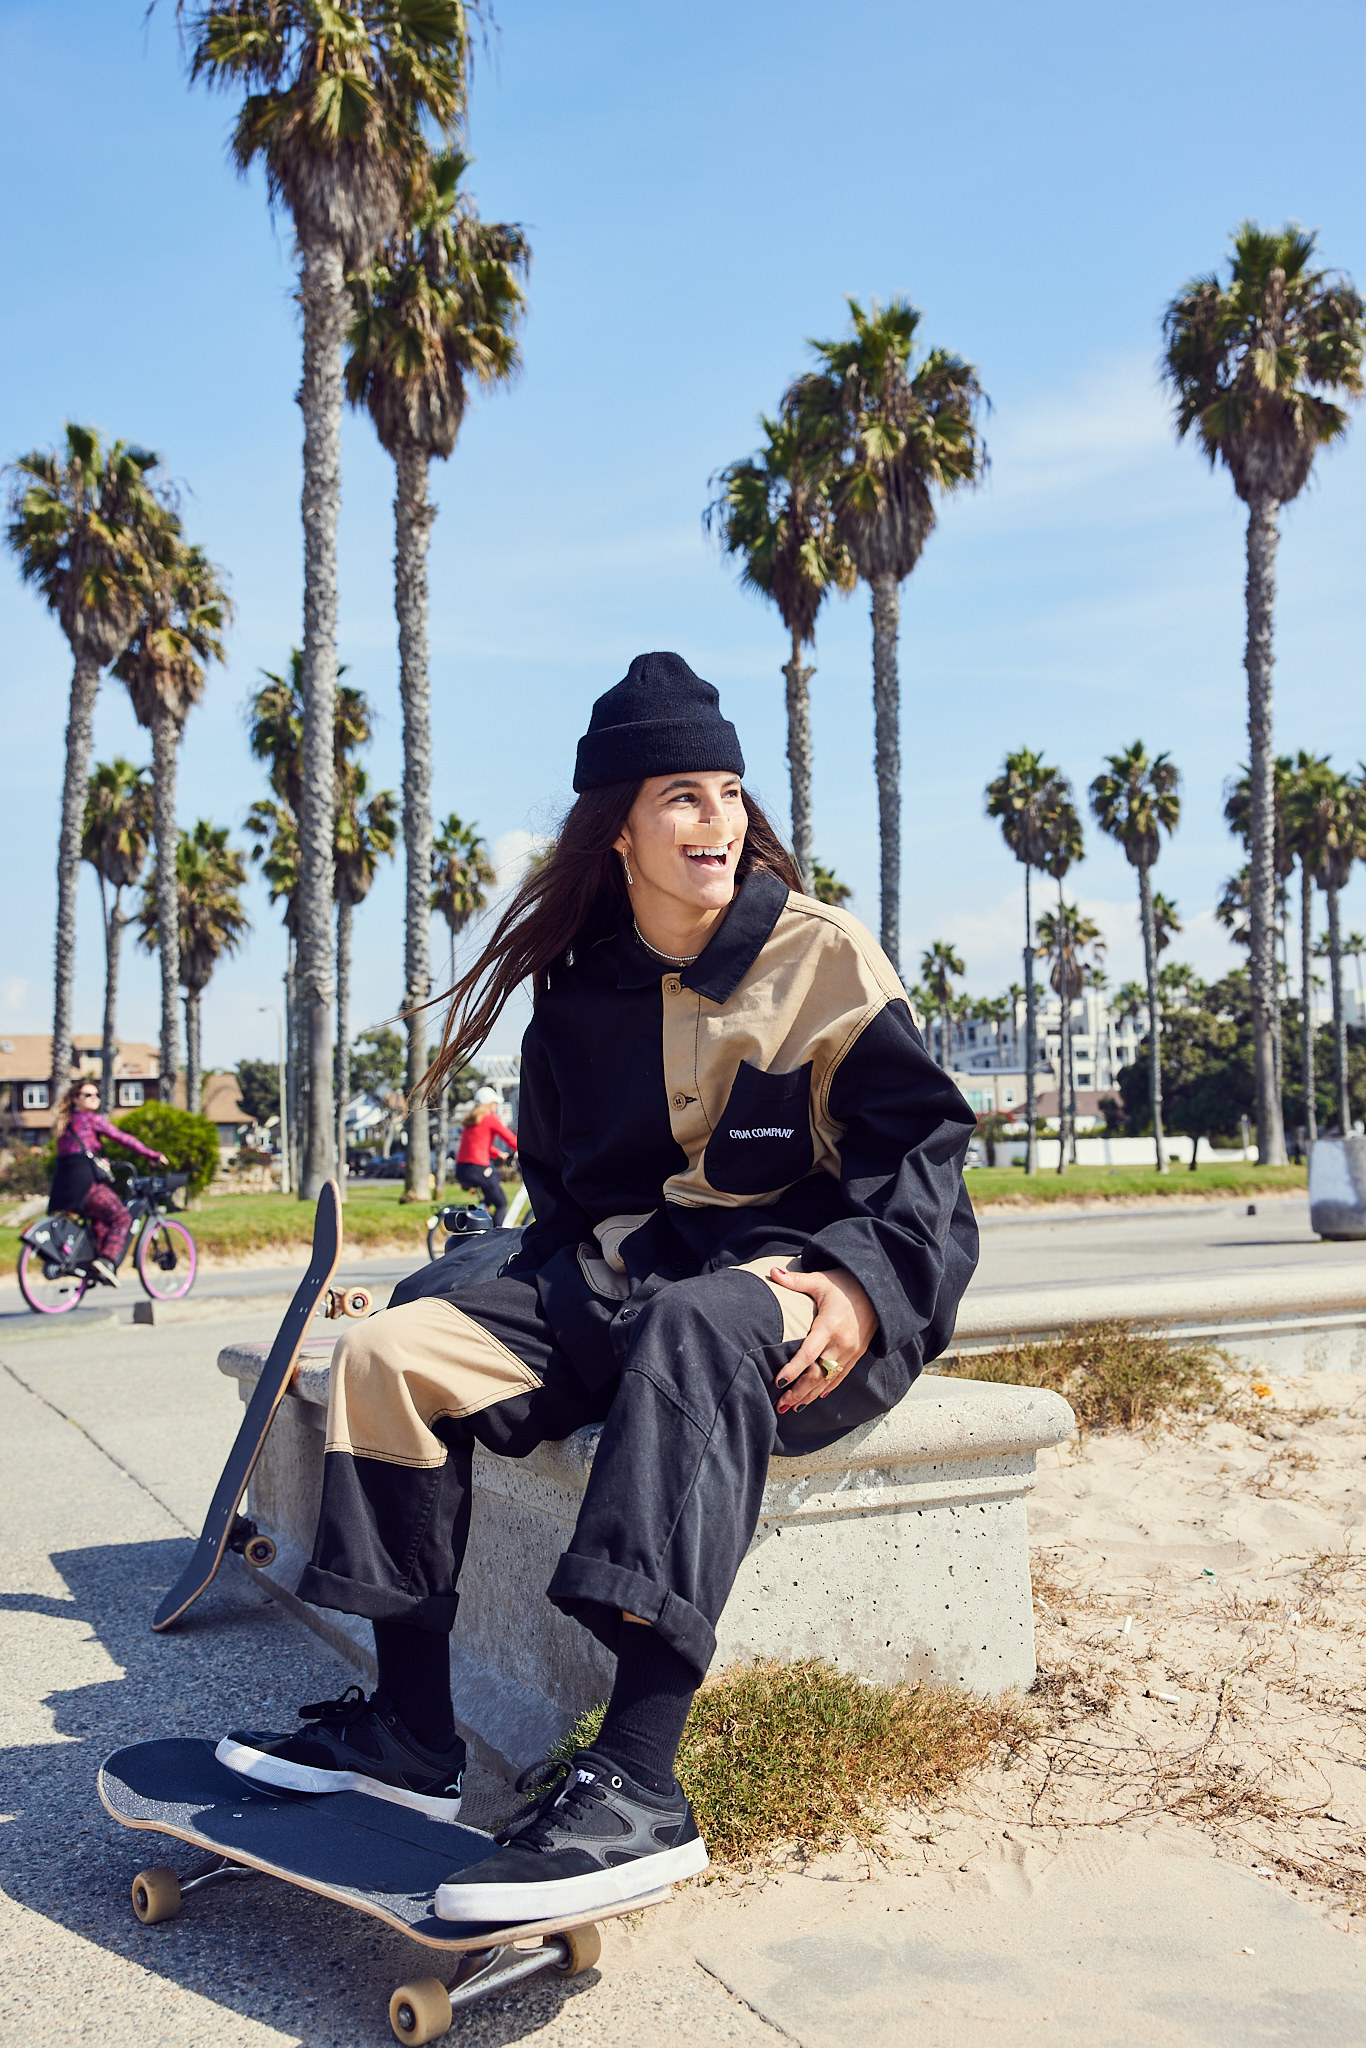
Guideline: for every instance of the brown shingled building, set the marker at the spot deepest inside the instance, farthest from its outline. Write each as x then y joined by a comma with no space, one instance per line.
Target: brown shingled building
25,1070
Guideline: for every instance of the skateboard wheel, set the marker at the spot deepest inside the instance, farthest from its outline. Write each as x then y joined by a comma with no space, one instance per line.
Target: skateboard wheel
420,2011
259,1551
156,1894
355,1302
584,1945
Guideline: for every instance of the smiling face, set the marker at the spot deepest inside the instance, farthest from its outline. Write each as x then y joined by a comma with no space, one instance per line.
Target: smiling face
88,1096
683,839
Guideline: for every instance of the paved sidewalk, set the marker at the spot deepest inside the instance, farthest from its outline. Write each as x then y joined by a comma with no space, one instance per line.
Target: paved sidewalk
109,1445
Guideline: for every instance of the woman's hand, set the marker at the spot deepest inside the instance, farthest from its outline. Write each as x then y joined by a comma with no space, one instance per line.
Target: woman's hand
844,1327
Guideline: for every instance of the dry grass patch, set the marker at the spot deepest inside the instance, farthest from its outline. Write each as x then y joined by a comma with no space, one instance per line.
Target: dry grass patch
807,1754
1113,1375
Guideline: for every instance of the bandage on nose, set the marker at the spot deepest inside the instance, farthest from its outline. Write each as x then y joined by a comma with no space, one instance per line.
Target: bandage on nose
702,832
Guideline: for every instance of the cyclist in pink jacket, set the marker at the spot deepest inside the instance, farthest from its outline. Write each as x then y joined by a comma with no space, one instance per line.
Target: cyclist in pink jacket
79,1186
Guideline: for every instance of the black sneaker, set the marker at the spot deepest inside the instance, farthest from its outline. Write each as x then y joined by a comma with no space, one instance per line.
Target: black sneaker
595,1839
351,1744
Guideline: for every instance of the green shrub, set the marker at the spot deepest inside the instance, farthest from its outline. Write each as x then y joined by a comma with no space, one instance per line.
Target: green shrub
189,1142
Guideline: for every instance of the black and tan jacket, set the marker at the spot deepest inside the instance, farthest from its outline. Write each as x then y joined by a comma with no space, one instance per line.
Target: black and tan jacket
773,1098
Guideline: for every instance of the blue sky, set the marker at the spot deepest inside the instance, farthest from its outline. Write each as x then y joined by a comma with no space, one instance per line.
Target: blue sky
702,185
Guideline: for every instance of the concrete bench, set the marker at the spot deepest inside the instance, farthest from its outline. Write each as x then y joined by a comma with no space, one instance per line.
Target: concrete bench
900,1553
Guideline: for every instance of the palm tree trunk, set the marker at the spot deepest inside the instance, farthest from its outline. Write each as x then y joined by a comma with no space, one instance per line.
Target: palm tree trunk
326,311
799,758
192,1076
109,1045
1064,1037
109,914
343,1029
1145,909
293,1137
80,725
1311,1114
1339,1016
165,739
443,1107
887,756
1262,537
1031,1036
413,516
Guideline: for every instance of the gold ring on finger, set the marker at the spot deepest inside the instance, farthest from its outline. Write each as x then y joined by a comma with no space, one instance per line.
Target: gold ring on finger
828,1367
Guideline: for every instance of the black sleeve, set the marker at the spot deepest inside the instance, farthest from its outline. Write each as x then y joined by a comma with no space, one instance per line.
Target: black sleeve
558,1221
910,1237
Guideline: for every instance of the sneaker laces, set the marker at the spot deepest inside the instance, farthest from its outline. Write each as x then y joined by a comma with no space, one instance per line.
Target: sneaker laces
566,1799
352,1705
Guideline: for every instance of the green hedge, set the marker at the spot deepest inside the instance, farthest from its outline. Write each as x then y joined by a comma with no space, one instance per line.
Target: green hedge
189,1142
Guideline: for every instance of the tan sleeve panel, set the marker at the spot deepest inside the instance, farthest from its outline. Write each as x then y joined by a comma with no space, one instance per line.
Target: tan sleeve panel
799,1310
395,1374
817,983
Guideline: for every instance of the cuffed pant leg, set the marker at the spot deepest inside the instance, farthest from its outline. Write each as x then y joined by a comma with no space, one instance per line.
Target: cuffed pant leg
678,1477
408,1386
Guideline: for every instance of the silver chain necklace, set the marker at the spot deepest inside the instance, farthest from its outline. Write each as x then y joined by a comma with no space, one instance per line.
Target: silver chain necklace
674,959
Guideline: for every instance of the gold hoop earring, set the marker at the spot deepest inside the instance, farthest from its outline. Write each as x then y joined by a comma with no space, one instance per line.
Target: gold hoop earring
630,878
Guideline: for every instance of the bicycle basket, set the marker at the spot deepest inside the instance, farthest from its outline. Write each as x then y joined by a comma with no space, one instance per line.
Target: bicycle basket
61,1240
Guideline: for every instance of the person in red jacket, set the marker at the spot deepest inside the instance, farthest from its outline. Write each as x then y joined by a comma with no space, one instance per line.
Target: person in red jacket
474,1167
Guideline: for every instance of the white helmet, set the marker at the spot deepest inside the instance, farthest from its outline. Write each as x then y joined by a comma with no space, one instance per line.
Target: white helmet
483,1096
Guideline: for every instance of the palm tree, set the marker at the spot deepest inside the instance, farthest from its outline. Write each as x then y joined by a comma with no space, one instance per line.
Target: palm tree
114,838
461,872
1238,816
275,728
441,308
275,835
1064,936
212,922
1330,825
827,887
367,832
774,511
80,522
1024,796
1167,923
185,609
1136,802
1063,846
901,436
335,101
937,964
1300,826
1249,362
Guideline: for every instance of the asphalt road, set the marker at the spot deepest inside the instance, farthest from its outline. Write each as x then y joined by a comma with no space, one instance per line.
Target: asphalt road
1211,1239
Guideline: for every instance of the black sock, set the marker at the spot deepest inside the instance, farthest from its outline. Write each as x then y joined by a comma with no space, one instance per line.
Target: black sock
643,1725
415,1674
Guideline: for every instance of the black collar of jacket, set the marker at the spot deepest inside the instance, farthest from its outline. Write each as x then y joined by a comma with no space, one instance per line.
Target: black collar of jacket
729,954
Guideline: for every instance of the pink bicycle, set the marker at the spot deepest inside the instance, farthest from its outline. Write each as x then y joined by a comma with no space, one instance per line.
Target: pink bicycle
56,1251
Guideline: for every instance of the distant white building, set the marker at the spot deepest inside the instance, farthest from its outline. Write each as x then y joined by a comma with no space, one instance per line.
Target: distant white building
988,1057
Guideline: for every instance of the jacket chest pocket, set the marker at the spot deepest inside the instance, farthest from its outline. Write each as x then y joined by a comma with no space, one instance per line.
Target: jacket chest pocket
763,1140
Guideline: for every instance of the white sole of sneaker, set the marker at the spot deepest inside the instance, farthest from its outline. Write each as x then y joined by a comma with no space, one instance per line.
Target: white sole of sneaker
511,1905
263,1769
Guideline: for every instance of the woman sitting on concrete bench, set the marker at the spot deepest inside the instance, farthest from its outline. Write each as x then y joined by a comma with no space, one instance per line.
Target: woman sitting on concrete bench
750,1234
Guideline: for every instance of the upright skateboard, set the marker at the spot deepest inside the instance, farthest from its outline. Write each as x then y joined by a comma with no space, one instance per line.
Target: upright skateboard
361,1852
224,1529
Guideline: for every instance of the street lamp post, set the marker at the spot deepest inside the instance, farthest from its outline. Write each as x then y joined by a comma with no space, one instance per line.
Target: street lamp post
284,1095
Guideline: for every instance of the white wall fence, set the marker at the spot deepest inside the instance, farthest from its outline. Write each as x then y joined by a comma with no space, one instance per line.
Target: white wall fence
1120,1152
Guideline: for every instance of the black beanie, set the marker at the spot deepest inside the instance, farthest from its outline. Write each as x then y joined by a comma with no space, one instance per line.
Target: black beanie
660,719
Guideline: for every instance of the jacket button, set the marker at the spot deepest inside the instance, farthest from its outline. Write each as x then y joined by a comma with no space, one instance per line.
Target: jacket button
674,986
680,1101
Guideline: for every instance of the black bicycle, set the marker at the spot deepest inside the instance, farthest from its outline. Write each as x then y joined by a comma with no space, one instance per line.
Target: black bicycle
55,1252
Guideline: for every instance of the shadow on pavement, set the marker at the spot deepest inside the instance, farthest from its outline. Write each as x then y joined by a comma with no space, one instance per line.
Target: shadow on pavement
262,1949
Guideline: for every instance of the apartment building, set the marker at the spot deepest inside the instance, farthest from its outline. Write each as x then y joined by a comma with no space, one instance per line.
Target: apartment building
25,1079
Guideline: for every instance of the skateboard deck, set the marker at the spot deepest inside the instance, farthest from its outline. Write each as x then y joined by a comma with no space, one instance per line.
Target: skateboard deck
365,1853
220,1524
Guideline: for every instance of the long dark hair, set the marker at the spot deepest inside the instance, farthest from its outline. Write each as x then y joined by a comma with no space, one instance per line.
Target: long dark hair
574,896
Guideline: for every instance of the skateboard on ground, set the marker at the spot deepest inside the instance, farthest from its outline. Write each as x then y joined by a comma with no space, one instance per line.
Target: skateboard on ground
224,1529
366,1853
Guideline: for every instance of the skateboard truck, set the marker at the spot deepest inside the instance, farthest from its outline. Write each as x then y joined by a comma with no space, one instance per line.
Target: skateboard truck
424,2009
345,1301
246,1539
